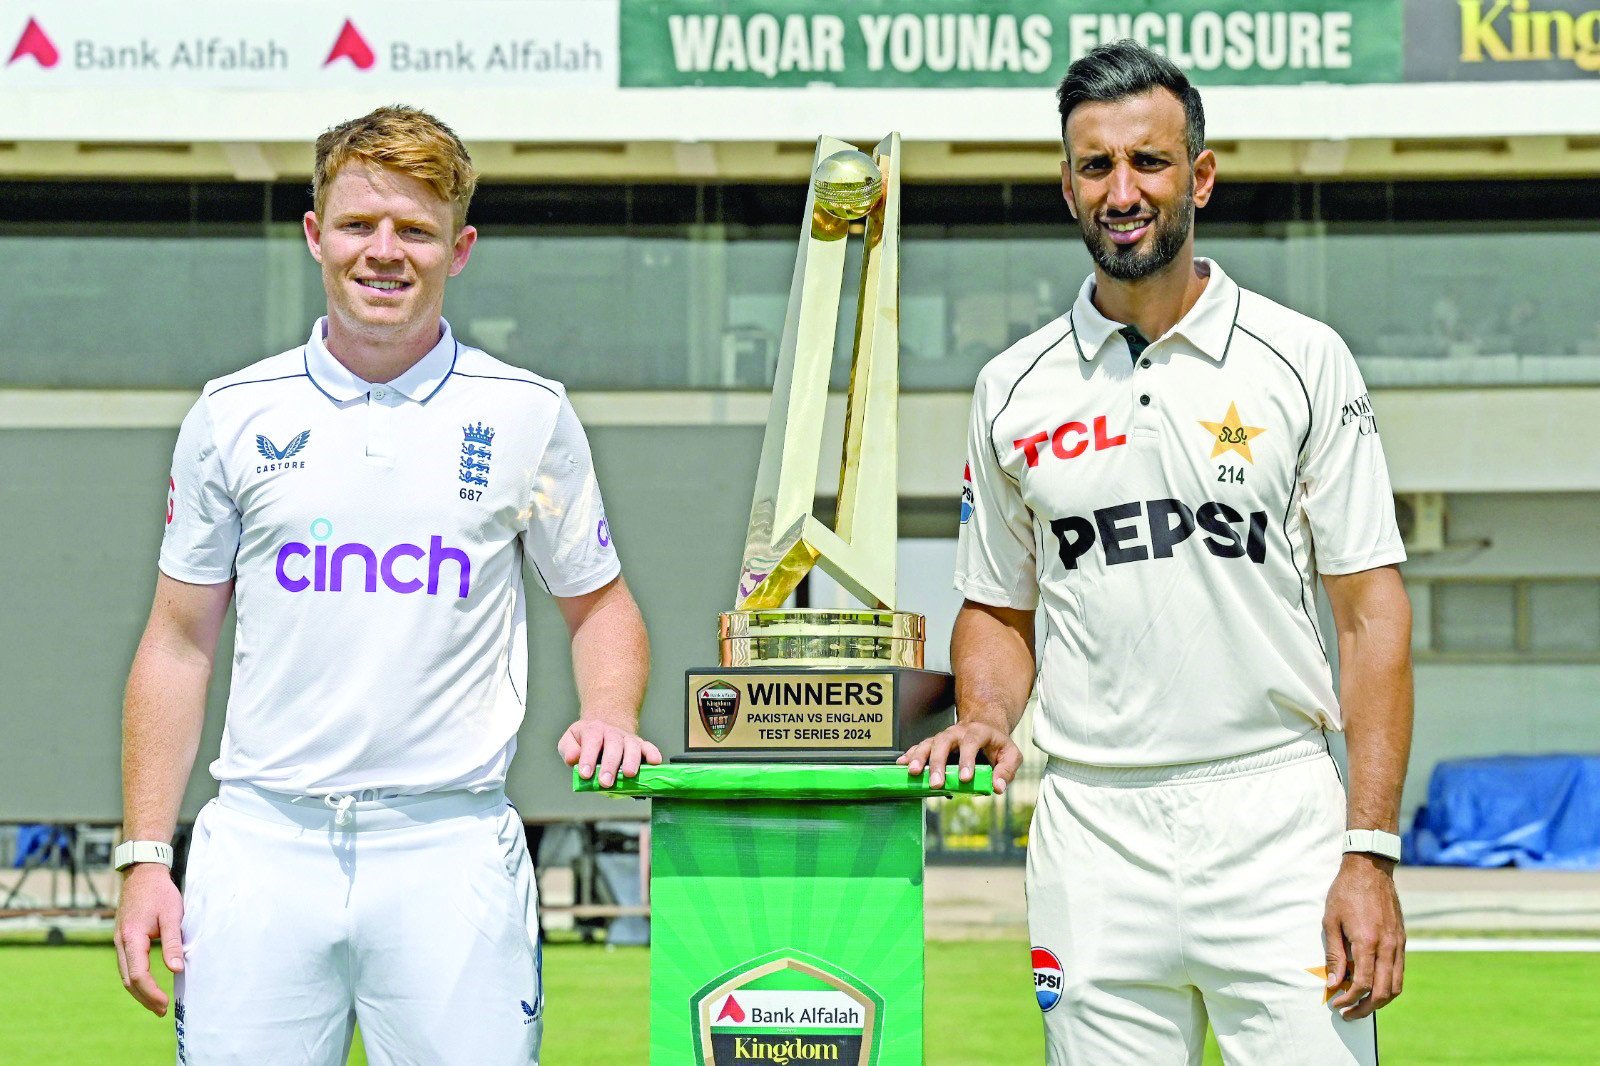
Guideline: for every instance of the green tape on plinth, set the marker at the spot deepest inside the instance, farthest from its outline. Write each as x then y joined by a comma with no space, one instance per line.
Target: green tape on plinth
784,782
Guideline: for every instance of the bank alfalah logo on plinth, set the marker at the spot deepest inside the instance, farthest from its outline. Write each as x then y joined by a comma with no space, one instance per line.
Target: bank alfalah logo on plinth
787,1006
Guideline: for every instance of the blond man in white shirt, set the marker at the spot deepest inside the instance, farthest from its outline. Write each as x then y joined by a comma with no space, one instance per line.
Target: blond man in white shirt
367,500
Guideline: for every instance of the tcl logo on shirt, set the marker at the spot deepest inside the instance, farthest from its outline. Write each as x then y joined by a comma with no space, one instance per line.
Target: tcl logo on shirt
1069,440
1133,532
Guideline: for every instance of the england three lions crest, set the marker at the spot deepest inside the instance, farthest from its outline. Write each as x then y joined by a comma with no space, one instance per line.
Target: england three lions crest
475,454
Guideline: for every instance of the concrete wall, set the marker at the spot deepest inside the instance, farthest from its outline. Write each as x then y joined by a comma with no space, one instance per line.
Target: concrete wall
1483,708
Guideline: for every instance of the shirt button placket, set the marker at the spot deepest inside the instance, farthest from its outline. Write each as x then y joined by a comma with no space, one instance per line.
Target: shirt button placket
1145,395
380,425
1137,349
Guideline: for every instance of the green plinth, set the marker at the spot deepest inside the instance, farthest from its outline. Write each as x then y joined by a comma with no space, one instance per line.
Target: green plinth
786,912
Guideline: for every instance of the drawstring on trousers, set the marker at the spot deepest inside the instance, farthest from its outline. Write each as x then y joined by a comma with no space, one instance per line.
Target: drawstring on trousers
342,815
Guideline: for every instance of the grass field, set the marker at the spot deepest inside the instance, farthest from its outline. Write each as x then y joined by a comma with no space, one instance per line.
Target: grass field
63,1006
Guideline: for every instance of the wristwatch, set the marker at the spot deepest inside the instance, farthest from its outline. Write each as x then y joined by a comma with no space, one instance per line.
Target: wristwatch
1373,842
131,851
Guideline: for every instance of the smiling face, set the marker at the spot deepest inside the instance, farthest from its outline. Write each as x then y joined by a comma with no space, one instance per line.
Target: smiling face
1129,182
387,243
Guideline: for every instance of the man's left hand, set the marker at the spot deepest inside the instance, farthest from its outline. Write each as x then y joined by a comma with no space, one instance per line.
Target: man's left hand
1365,936
591,745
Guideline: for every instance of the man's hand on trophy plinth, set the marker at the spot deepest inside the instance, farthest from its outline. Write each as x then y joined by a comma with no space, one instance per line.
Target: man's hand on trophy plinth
595,746
610,665
967,739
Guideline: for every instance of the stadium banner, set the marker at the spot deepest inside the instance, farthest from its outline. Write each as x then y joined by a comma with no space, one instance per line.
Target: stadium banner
310,45
1502,40
955,44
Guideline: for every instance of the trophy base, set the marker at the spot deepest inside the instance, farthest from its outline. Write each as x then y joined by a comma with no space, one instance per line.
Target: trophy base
840,714
827,638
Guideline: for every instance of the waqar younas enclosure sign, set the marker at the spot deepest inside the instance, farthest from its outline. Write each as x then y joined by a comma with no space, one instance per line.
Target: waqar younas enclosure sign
952,44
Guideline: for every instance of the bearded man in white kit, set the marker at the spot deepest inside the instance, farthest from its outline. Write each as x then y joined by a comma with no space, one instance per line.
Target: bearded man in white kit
1155,478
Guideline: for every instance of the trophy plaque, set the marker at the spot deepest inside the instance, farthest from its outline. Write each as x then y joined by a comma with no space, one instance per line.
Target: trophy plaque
826,685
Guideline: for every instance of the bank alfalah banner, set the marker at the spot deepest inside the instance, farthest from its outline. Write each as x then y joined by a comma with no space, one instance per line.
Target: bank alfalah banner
296,45
603,45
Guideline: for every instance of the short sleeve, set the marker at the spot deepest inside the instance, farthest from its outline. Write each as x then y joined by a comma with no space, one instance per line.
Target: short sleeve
202,536
996,560
568,540
1348,500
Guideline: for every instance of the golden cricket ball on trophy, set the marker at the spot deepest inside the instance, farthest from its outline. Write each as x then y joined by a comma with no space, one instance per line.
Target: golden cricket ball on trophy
848,184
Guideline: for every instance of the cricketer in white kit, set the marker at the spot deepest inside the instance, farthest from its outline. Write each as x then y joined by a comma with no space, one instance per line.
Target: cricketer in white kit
367,500
1153,480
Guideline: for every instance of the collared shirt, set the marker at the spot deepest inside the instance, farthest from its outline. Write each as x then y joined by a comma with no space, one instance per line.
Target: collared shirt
376,535
1166,515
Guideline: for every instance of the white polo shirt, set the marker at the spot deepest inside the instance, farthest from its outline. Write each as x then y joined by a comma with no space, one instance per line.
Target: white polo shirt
1167,517
376,535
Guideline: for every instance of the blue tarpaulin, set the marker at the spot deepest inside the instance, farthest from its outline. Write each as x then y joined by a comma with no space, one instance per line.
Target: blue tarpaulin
46,841
1535,811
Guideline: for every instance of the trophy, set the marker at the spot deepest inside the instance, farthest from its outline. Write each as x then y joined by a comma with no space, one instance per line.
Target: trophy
786,846
835,686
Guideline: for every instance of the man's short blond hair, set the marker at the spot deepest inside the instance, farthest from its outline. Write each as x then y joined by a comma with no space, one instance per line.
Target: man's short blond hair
405,139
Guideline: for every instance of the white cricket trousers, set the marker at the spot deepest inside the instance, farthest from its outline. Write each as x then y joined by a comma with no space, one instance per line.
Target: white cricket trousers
1173,894
415,916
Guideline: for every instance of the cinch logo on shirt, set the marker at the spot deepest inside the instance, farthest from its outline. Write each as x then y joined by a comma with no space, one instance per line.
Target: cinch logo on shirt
399,568
1069,440
1133,532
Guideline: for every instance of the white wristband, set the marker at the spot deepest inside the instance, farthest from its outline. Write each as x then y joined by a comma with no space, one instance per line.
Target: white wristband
131,851
1373,842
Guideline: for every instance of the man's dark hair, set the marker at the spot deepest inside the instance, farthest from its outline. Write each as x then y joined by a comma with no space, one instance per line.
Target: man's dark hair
1125,68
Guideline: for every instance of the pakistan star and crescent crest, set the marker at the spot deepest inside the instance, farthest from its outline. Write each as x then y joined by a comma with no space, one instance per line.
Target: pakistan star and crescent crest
1231,435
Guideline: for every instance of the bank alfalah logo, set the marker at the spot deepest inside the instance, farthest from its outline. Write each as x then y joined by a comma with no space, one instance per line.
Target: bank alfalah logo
352,46
787,1007
35,43
475,454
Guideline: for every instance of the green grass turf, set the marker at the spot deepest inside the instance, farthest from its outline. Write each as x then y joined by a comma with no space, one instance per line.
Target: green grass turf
64,1006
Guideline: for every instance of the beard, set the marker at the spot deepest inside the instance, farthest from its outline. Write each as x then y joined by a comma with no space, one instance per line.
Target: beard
1126,262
